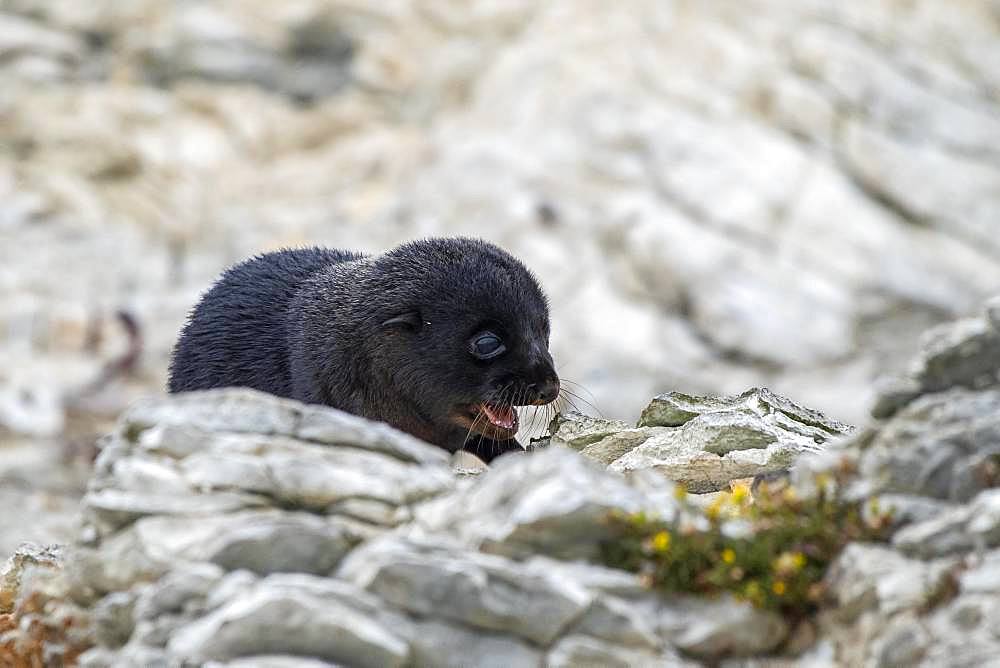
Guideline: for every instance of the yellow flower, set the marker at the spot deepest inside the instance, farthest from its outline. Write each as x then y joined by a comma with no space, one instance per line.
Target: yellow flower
789,495
728,555
714,509
789,562
740,493
680,492
778,587
661,541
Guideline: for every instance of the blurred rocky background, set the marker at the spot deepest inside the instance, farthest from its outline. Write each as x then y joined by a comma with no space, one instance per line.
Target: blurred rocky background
715,194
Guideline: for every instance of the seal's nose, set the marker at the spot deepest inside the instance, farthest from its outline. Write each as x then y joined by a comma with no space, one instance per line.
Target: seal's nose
545,391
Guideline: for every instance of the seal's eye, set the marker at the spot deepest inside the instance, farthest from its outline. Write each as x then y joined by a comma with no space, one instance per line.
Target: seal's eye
487,345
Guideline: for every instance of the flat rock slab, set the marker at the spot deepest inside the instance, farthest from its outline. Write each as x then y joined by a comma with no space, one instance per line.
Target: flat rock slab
580,651
577,431
965,528
438,644
712,628
210,453
676,408
289,615
943,445
964,353
875,577
464,586
266,541
243,410
704,442
551,502
272,661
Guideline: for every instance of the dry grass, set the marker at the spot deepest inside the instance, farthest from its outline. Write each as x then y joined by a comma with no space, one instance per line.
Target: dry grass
29,638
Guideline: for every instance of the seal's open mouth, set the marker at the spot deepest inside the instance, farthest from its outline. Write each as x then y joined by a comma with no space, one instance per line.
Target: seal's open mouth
496,421
504,417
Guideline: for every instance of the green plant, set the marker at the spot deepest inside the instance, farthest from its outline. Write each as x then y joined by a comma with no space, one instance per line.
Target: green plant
771,550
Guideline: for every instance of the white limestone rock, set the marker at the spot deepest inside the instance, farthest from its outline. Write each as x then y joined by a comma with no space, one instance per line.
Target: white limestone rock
482,591
705,442
277,616
551,502
711,628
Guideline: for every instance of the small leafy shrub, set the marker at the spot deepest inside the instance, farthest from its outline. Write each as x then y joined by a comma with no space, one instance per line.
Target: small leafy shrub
771,550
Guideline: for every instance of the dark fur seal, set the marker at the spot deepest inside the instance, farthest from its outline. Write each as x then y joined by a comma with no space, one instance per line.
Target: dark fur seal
441,338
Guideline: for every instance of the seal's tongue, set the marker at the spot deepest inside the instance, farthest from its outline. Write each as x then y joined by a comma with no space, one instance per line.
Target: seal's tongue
501,416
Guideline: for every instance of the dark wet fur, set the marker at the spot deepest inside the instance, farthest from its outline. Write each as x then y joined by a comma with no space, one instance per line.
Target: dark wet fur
383,336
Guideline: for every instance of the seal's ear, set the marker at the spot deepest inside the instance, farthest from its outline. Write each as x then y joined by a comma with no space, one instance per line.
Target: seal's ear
410,320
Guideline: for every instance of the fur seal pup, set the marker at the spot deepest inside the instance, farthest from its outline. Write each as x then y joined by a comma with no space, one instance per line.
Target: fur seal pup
441,338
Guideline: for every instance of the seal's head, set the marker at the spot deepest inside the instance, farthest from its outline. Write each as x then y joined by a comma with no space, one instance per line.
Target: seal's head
470,336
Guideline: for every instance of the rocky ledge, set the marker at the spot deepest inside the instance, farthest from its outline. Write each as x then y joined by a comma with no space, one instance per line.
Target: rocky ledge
233,528
703,443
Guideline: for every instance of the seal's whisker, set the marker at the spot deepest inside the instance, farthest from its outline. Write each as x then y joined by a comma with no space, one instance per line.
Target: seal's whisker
580,386
534,416
558,406
576,395
499,397
480,414
547,413
472,427
569,401
509,399
539,411
573,394
530,429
